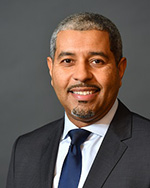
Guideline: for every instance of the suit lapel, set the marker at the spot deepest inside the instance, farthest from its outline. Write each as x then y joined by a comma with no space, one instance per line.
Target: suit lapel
112,148
48,158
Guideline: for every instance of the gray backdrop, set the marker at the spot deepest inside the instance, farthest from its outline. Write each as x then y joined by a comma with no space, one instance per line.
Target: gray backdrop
27,101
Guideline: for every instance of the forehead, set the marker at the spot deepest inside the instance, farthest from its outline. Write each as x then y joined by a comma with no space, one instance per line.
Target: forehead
82,40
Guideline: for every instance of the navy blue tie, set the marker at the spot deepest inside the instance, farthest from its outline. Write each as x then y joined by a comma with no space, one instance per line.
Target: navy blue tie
71,169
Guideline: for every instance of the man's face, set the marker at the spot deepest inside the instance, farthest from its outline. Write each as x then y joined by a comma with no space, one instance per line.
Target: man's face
84,74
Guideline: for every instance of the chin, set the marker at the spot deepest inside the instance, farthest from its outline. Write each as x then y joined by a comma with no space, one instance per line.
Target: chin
83,114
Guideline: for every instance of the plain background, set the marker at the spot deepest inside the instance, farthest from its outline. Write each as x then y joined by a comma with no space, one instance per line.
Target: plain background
27,101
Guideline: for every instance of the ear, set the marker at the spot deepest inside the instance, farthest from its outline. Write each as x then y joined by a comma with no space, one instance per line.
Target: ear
122,67
50,66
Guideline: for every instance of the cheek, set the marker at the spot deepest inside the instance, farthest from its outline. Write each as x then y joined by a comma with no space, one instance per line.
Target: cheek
109,79
60,80
104,77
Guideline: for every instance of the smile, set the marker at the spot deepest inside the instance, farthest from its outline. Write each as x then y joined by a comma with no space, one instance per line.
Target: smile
83,92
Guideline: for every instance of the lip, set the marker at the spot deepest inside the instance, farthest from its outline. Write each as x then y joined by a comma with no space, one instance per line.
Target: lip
88,97
84,93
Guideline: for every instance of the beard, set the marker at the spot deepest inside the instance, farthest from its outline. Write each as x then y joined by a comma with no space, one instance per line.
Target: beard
82,113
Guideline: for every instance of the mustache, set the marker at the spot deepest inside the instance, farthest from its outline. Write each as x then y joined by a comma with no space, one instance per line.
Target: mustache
83,85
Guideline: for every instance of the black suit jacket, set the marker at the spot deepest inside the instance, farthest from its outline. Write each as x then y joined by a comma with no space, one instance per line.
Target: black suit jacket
123,160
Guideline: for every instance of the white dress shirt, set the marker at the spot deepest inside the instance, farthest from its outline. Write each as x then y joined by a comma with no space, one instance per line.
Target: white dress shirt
89,148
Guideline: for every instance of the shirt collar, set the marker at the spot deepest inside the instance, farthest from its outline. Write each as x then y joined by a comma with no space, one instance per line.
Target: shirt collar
100,127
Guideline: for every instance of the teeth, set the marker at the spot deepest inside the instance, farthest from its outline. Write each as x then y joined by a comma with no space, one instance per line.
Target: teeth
83,92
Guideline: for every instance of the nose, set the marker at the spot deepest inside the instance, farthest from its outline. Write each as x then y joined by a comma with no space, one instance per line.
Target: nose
82,72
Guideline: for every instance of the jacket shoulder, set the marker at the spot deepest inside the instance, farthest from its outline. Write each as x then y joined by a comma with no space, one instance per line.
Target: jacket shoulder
45,130
140,122
39,137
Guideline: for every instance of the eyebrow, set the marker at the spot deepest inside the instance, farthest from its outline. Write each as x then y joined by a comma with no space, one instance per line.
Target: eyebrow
99,54
62,54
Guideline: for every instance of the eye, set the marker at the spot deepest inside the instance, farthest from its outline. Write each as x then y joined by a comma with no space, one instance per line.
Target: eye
97,61
66,61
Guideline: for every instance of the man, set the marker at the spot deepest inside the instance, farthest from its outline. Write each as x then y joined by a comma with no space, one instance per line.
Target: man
86,67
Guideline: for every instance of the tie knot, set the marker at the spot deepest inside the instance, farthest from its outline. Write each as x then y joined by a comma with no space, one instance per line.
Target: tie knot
78,136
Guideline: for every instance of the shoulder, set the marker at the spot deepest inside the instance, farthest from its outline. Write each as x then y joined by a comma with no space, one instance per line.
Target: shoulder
124,113
41,135
129,122
139,122
46,129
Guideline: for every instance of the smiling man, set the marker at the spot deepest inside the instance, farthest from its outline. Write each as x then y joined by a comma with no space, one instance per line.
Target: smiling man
85,74
99,142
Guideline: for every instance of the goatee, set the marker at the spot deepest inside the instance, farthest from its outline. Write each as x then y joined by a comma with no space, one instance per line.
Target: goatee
83,114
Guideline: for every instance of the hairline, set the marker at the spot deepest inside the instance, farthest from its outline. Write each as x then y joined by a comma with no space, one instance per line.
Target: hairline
88,25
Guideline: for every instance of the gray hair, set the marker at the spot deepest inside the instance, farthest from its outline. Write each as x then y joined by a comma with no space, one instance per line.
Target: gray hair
89,21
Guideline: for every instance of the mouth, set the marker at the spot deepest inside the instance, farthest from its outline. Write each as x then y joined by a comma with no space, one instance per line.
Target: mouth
90,92
84,93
